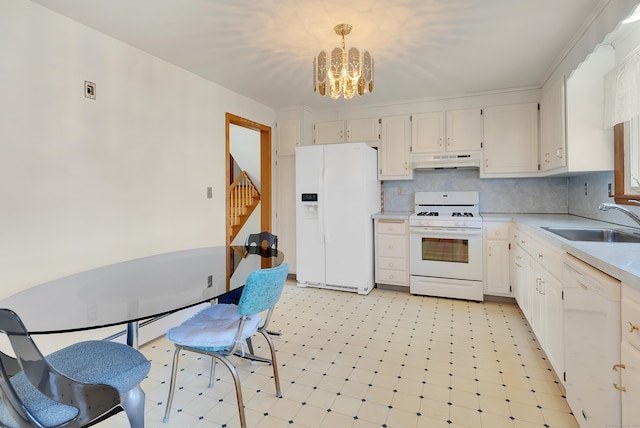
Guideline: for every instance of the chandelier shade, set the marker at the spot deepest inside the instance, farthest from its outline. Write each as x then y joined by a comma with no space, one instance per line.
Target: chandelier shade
343,72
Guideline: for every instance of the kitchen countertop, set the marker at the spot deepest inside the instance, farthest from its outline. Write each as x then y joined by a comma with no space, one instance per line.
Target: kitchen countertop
620,260
392,215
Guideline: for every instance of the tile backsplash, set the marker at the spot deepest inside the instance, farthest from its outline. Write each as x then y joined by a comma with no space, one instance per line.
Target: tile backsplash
597,192
497,195
540,195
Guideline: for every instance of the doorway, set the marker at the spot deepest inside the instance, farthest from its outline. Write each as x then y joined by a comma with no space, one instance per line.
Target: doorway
243,195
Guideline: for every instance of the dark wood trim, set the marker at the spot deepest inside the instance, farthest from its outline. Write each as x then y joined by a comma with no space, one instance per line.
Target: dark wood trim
618,165
265,168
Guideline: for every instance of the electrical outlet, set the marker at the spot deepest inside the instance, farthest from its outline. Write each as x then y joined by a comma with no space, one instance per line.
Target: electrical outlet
609,190
89,90
210,281
586,188
209,192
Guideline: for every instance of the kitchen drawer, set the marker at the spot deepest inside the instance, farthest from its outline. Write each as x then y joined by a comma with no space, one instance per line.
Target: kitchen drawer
495,230
392,263
392,246
548,257
392,277
521,238
630,317
395,227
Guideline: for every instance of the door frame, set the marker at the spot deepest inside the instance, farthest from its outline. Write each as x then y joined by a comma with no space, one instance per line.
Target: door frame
265,170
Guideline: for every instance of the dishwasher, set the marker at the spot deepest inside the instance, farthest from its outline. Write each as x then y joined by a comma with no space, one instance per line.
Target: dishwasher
592,344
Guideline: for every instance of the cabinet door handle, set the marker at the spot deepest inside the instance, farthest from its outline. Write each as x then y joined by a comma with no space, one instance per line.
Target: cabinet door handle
620,388
540,256
633,327
618,366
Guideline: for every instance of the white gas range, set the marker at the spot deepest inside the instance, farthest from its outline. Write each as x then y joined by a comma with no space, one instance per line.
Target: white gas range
445,245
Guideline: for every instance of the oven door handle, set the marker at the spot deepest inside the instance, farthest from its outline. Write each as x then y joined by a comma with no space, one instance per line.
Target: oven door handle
444,230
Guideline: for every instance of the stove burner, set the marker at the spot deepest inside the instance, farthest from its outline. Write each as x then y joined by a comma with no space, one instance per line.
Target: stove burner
428,213
459,214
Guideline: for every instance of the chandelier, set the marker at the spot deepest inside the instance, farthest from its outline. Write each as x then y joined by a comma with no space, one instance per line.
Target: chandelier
345,72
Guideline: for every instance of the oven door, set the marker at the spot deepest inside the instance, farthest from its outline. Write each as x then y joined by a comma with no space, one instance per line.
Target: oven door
454,253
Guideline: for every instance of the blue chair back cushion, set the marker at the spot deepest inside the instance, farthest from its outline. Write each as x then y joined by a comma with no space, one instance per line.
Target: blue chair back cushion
96,361
262,289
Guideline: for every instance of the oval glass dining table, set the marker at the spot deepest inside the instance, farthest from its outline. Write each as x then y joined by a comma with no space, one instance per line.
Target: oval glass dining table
135,290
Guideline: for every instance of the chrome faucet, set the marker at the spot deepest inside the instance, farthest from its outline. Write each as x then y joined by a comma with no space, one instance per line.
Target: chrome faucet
606,206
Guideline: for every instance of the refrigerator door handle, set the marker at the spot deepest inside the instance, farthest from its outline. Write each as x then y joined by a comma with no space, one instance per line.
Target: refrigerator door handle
321,199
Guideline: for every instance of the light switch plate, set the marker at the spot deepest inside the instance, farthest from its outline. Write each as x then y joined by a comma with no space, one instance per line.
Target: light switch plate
89,90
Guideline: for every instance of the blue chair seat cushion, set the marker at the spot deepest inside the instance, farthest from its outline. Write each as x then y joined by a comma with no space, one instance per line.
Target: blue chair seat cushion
96,361
213,328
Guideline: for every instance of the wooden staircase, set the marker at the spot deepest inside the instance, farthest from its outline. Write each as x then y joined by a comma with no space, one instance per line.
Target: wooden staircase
244,198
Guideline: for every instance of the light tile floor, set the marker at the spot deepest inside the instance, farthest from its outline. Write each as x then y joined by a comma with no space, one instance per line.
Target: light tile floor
388,359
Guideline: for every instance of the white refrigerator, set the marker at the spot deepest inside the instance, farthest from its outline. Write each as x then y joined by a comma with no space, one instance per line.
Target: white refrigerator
337,191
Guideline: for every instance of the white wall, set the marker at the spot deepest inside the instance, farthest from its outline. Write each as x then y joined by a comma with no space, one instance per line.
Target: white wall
86,183
244,146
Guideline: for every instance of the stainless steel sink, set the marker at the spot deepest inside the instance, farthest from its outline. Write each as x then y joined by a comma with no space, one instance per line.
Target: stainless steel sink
596,234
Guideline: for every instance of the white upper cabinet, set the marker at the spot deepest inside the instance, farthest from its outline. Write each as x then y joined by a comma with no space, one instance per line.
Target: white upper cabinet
329,132
427,134
393,153
464,130
585,115
552,126
347,131
288,137
453,131
363,130
510,141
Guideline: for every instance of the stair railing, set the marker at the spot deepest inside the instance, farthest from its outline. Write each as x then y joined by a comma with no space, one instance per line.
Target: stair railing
244,197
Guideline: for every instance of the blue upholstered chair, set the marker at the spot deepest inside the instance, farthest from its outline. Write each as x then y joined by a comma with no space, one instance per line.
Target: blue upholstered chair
77,386
219,330
263,240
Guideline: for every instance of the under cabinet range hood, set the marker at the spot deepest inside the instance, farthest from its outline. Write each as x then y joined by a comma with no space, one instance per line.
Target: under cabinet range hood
446,160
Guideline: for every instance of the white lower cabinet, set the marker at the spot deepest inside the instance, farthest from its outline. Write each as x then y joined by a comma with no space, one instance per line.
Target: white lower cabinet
520,269
552,319
519,272
536,268
630,382
496,260
392,252
629,386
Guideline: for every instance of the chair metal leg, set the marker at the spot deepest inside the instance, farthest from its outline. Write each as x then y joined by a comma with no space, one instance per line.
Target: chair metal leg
172,383
274,363
236,381
250,345
212,374
133,404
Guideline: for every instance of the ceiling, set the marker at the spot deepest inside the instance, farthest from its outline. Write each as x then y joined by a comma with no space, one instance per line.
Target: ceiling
423,49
